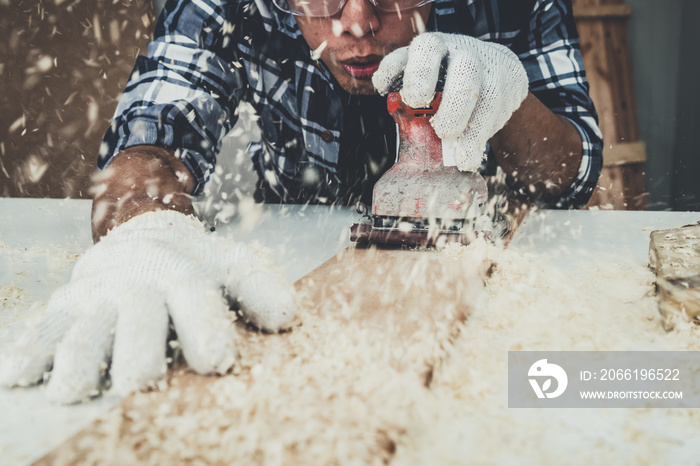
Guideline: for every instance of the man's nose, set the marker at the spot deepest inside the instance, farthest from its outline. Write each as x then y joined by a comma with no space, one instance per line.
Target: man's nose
359,18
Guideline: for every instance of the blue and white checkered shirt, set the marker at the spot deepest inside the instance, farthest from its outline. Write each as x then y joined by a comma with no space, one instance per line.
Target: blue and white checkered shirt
209,55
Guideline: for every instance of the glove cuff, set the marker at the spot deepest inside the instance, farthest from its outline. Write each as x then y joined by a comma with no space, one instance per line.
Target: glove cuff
161,220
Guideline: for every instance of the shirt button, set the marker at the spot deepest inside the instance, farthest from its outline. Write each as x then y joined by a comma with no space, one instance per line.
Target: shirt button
326,136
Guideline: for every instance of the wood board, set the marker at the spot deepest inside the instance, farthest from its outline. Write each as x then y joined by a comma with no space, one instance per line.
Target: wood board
373,319
675,257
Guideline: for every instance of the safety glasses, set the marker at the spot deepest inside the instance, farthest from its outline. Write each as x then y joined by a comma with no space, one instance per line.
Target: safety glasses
326,8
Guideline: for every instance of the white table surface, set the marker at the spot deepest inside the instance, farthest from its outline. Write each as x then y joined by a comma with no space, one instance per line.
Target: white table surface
301,238
573,237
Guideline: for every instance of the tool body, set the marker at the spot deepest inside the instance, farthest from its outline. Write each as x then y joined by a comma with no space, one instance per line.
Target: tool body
419,201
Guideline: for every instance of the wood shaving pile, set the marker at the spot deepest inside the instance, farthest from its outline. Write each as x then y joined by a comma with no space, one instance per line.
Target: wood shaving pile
337,389
291,403
534,305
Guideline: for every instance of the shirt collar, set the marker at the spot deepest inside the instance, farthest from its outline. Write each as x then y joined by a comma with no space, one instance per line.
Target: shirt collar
284,22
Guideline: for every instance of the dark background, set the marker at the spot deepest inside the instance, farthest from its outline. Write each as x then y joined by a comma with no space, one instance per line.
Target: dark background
64,63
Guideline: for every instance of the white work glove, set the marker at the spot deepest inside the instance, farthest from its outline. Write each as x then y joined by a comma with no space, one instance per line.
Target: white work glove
484,84
119,298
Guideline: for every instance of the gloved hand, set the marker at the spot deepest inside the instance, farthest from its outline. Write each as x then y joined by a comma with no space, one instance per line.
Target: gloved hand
484,84
119,298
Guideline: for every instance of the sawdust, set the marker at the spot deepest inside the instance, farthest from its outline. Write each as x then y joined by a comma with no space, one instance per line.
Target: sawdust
11,296
338,389
278,412
535,305
20,291
331,392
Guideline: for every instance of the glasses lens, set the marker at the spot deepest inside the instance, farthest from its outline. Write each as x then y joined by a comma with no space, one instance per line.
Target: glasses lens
282,5
326,8
315,8
400,5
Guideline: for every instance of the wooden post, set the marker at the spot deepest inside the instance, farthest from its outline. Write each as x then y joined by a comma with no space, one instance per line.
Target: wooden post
605,48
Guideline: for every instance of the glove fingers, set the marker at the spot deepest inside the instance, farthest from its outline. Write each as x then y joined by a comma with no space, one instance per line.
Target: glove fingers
203,327
423,69
82,353
469,154
25,361
390,70
460,97
140,338
487,119
495,112
266,298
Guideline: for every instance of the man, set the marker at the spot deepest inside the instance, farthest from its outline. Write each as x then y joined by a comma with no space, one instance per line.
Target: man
514,87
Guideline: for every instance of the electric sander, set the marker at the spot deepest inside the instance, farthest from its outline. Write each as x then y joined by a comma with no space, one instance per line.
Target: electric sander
421,200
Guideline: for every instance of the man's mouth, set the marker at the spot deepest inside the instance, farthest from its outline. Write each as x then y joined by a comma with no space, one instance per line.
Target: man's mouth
361,70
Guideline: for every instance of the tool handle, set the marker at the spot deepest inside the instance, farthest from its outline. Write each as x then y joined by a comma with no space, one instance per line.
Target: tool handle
395,104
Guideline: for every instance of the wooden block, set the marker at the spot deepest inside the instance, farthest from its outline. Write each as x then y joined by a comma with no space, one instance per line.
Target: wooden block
675,257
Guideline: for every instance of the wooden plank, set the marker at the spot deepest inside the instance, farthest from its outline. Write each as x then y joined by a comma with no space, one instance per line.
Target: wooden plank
675,257
623,153
372,318
607,11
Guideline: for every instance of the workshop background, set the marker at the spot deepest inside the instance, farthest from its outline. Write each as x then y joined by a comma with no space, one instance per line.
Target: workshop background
63,64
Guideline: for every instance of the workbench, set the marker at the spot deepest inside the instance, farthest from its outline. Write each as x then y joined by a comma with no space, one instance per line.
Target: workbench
41,238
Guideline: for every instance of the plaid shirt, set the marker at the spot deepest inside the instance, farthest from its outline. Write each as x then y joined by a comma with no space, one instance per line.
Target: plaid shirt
209,55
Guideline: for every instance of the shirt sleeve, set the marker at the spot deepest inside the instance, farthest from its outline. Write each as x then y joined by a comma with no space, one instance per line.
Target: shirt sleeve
552,58
184,93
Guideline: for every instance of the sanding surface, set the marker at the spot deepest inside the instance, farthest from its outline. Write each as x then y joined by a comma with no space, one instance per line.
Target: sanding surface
372,321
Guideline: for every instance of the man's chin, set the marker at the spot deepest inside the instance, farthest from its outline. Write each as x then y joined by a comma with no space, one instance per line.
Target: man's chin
358,86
